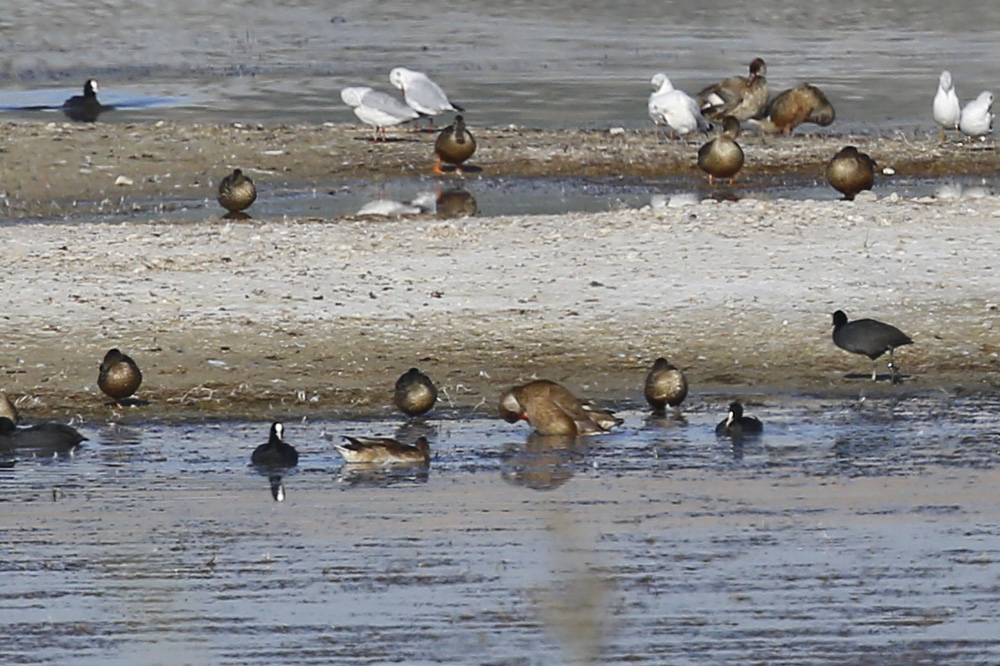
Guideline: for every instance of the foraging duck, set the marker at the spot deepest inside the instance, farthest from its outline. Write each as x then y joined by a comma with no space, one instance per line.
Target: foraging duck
722,157
551,409
742,97
850,172
947,108
384,451
977,118
421,93
454,145
736,425
674,108
665,385
237,192
85,107
415,393
276,452
43,439
119,376
7,409
868,337
376,108
803,104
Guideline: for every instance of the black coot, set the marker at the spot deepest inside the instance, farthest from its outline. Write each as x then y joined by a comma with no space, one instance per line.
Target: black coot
869,337
736,425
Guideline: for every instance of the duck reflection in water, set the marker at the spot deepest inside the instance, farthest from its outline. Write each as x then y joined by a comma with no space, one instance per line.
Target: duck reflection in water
454,203
543,462
362,475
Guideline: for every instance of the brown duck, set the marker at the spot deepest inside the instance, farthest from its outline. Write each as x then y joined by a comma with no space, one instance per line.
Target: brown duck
237,192
742,97
552,410
791,108
850,172
415,393
722,157
119,376
454,145
384,451
665,385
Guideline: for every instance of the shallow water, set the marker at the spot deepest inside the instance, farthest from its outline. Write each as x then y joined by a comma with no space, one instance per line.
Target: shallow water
537,64
850,533
512,196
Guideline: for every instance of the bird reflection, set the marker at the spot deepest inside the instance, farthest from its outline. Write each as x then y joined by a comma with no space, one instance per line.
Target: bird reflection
421,204
410,430
362,475
666,419
277,487
456,203
544,462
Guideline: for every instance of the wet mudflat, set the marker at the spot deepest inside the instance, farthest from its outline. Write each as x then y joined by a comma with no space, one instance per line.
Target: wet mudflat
856,530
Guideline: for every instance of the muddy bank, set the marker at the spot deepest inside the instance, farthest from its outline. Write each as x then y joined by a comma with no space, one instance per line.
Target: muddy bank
63,169
320,316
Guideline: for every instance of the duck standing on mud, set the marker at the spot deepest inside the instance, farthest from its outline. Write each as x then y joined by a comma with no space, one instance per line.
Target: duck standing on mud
851,171
237,192
454,145
722,157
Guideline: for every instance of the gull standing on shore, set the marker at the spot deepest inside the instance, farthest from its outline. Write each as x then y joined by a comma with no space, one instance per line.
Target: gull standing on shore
674,108
421,94
977,119
947,109
376,108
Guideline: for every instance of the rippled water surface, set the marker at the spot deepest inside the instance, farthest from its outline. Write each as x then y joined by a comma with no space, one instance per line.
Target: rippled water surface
855,531
546,64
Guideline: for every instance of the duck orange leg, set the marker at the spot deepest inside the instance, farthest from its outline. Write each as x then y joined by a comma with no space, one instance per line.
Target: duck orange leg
437,165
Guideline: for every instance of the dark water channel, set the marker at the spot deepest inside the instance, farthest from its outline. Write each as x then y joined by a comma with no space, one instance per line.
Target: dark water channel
855,531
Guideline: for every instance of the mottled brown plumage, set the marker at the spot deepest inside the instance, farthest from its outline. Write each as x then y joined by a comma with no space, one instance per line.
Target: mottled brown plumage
415,393
742,97
665,385
802,104
384,451
237,192
850,172
119,375
722,157
551,409
454,145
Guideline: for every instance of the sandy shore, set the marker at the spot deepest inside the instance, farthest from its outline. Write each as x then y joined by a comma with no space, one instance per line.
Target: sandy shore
318,317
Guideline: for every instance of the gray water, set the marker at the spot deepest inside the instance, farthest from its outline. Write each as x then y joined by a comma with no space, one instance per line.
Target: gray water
157,544
537,64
